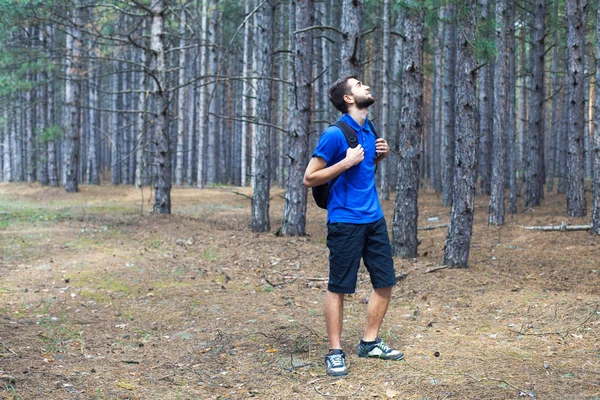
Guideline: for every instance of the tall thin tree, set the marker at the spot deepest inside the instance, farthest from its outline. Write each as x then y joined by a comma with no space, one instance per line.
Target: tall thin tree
534,185
596,153
301,121
73,102
449,105
458,238
406,212
576,22
162,158
496,209
260,198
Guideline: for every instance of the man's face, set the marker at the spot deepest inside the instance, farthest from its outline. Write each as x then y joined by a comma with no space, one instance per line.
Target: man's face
361,94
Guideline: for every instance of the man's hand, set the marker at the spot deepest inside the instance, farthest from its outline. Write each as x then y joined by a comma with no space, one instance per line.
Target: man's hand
355,155
382,149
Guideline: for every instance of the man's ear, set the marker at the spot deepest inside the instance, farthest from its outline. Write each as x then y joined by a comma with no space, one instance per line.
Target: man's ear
348,99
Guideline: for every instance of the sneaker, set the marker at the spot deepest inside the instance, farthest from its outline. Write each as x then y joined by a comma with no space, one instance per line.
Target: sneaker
378,349
335,361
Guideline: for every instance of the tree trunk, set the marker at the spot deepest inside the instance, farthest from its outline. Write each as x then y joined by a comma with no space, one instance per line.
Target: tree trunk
564,133
523,107
181,109
93,118
352,15
213,123
406,212
281,95
301,123
534,185
384,189
576,22
449,104
30,119
260,199
115,166
141,128
596,152
162,184
484,162
458,238
496,209
6,149
436,134
512,118
202,95
552,162
72,104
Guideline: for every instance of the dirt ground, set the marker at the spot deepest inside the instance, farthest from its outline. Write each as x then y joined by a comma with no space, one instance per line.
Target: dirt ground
101,299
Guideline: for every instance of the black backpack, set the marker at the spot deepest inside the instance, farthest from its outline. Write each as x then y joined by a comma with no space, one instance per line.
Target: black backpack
321,193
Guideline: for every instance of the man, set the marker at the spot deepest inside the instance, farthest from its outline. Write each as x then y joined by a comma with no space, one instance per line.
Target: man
355,223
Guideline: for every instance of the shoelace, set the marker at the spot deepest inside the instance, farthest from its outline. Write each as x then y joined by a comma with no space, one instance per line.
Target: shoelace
384,347
336,360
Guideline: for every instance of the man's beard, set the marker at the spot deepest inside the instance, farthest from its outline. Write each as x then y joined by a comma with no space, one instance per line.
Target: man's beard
364,102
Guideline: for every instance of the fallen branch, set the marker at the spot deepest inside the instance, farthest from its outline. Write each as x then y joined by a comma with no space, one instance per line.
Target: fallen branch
432,227
562,227
437,268
276,284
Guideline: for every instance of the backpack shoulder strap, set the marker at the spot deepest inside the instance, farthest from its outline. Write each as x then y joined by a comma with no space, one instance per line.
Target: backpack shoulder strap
373,129
349,133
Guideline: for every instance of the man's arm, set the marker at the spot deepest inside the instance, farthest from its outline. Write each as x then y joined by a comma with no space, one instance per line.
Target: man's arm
317,172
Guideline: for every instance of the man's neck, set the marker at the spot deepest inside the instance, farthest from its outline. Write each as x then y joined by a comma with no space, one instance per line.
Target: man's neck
359,116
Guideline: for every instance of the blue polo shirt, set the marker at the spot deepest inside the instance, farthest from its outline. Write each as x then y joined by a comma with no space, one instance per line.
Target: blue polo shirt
353,197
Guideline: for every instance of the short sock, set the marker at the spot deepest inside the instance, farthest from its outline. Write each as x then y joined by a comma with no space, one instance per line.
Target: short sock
336,351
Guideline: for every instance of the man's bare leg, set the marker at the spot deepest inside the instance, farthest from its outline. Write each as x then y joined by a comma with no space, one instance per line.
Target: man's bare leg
378,304
334,314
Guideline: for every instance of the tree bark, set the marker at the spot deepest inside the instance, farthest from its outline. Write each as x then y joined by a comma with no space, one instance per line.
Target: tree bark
162,183
6,148
213,124
554,132
496,209
202,95
72,103
352,15
484,162
260,199
534,185
301,123
512,117
141,129
449,105
458,238
436,134
596,151
93,118
384,189
181,109
576,22
406,212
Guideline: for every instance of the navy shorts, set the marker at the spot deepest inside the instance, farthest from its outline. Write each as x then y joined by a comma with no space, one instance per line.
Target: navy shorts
347,243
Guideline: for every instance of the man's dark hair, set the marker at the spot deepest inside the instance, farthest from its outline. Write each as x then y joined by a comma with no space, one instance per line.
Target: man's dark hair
338,90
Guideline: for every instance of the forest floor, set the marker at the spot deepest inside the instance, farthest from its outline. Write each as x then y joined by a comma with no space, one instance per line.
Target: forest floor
101,299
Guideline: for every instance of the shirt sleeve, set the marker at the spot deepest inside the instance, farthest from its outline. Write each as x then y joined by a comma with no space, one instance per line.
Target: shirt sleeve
331,144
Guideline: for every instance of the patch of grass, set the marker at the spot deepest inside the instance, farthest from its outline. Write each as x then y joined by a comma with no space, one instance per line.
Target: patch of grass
57,334
209,255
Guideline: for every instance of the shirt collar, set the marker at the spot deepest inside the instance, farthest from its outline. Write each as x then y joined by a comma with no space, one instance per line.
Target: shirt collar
355,125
